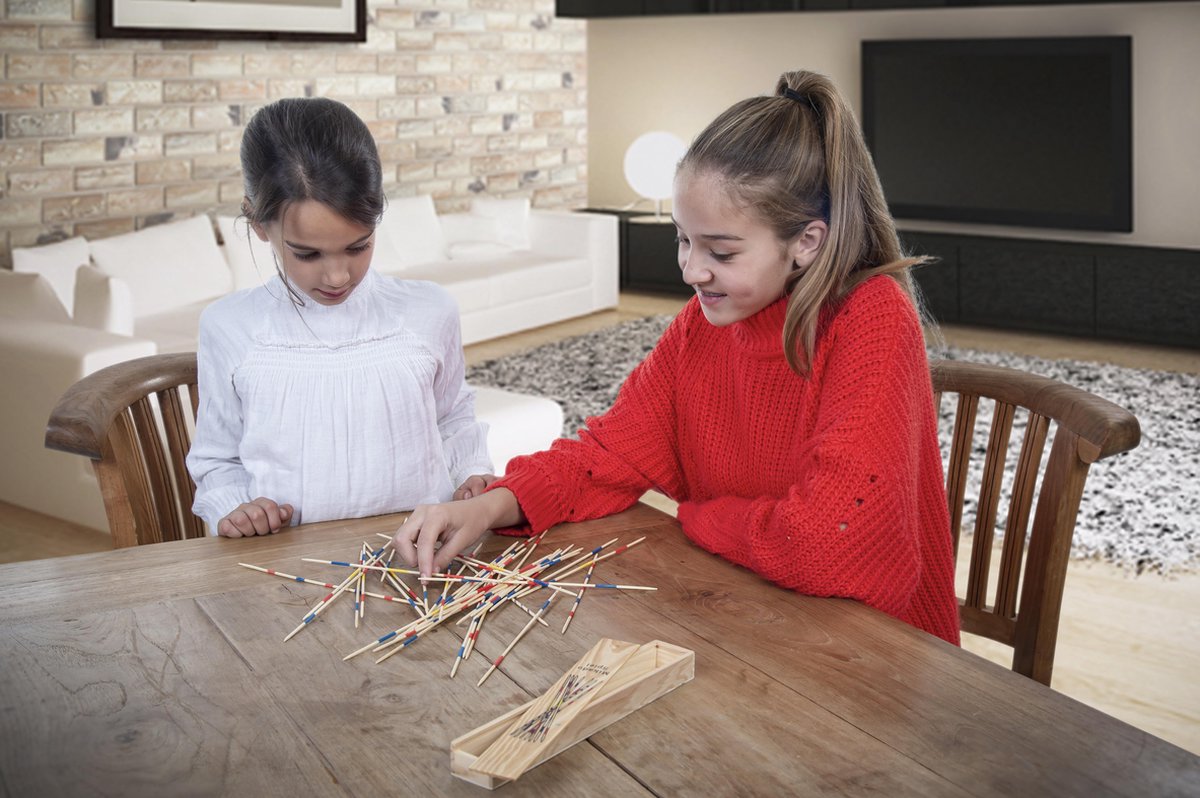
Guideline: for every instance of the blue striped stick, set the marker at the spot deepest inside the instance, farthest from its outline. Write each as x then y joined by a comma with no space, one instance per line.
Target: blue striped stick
587,578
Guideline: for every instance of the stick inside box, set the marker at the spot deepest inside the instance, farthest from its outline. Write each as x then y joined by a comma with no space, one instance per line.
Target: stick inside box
651,671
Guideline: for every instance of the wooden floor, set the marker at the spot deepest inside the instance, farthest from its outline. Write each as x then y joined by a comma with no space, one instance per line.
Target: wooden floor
1127,646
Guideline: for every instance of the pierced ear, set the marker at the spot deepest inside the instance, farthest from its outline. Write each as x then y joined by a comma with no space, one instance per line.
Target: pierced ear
807,245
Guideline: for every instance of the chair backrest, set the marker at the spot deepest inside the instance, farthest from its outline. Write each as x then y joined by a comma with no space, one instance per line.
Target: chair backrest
1024,606
132,420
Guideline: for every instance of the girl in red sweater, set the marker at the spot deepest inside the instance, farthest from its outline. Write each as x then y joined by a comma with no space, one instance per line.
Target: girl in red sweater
788,408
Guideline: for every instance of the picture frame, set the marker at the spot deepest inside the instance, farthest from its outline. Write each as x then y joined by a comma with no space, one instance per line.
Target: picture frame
275,20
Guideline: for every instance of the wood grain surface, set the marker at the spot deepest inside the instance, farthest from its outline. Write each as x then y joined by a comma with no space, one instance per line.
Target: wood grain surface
161,670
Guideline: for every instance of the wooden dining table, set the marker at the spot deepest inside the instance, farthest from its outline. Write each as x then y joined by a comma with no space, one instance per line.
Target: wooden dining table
162,670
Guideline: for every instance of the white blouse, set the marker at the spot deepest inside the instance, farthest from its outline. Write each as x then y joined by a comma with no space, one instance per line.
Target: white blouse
342,411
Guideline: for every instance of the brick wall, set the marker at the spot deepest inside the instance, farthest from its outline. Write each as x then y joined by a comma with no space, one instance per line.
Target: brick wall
101,137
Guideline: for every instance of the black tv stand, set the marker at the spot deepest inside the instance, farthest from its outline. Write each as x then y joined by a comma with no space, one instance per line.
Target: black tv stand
1114,291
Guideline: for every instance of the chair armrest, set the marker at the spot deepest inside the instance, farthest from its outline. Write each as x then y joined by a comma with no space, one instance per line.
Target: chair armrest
575,234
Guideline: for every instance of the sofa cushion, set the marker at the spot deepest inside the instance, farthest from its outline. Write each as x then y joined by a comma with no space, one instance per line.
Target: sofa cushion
166,266
467,283
103,302
29,297
511,215
524,275
251,260
411,235
57,263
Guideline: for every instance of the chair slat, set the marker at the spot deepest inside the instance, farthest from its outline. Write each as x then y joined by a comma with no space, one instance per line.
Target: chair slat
121,522
1017,522
989,501
1036,633
175,428
960,458
128,454
158,474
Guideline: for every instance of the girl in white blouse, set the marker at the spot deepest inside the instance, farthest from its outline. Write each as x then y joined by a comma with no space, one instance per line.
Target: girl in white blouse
331,391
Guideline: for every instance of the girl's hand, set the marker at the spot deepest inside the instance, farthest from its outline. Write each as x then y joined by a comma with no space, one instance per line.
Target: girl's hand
259,517
435,533
474,486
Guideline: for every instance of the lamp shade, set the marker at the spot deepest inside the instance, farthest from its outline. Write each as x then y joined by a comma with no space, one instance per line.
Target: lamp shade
650,163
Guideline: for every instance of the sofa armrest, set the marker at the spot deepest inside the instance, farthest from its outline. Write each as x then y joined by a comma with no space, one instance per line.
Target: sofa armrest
563,233
103,302
58,354
39,361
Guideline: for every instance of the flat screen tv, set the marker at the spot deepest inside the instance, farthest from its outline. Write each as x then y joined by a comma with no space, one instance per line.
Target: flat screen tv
1032,132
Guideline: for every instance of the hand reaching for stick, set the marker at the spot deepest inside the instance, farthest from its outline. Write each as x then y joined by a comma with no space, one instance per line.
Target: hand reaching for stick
434,534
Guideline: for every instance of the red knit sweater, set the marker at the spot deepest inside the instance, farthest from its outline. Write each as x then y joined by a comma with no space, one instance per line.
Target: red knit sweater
830,485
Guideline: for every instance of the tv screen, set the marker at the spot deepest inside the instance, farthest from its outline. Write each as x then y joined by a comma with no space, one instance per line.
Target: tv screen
1031,132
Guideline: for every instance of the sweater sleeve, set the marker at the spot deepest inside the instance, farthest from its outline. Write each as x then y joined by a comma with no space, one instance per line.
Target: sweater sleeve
213,460
849,524
619,455
464,439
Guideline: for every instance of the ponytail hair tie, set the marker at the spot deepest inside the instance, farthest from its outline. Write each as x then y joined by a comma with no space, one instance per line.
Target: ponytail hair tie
803,99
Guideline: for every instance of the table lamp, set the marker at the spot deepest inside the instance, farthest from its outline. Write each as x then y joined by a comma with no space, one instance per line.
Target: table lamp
650,165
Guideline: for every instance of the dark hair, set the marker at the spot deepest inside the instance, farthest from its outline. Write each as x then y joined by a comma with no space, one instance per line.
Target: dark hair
299,149
794,157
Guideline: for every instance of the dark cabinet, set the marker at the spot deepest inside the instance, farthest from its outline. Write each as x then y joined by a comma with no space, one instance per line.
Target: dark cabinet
1146,294
676,7
598,8
650,256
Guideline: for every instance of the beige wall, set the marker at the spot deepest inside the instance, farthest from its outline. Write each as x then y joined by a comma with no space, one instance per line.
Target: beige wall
103,137
677,73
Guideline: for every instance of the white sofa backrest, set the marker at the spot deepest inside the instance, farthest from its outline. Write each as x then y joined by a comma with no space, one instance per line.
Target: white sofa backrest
408,235
251,260
511,217
166,266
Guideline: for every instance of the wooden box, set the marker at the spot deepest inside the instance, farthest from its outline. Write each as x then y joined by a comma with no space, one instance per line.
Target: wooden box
654,669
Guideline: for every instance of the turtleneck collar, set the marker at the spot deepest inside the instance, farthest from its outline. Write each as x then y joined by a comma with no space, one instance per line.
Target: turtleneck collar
762,333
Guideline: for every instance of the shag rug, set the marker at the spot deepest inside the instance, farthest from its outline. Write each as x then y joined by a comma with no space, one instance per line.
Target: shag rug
1140,510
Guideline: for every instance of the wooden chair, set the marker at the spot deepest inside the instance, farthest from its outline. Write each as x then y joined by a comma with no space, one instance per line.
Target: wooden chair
131,420
1025,608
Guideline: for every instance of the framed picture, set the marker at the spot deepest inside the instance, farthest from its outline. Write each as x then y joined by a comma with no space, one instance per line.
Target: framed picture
280,20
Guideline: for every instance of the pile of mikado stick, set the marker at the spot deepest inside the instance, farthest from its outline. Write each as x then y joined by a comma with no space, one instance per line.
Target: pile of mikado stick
473,592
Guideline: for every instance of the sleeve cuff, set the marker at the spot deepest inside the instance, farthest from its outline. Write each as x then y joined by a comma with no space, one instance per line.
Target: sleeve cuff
538,497
219,502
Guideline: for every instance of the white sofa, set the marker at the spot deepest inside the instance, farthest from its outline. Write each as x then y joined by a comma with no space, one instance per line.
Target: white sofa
70,308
